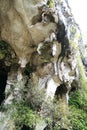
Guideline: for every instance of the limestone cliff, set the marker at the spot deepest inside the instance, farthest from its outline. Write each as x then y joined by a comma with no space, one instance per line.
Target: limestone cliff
39,52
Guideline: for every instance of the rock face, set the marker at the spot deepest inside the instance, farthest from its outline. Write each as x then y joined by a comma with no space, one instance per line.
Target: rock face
44,39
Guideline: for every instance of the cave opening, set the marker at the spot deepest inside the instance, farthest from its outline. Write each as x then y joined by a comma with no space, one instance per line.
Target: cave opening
3,79
60,91
26,128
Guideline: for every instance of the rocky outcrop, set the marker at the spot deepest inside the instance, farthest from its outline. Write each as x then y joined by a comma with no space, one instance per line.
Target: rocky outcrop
44,40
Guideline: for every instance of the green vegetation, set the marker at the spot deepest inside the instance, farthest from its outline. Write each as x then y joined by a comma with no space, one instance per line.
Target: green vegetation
25,104
74,42
82,76
78,108
78,119
51,3
22,114
78,101
26,109
19,114
57,116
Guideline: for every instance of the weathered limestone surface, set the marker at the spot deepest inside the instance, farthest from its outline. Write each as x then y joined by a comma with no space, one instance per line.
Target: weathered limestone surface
19,31
44,38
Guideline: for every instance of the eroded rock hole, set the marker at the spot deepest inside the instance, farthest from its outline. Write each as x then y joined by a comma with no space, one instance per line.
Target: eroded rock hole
61,91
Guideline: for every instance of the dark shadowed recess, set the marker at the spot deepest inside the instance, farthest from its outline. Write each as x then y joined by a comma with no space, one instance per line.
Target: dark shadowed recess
74,86
62,38
63,129
47,128
60,91
3,79
5,65
26,128
84,60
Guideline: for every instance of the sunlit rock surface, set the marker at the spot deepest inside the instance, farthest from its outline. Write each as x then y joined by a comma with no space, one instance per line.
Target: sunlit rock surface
46,39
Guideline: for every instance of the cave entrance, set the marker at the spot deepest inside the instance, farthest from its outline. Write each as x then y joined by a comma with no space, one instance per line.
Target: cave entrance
26,128
61,91
3,79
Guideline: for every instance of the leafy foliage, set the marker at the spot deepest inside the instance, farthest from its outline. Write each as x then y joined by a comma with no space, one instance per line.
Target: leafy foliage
24,110
20,112
78,108
51,3
78,119
23,114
